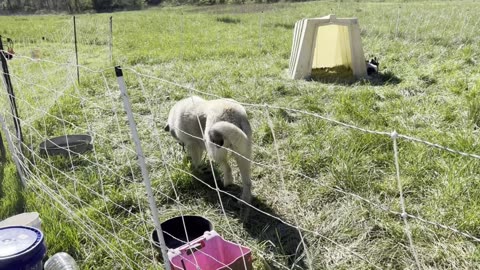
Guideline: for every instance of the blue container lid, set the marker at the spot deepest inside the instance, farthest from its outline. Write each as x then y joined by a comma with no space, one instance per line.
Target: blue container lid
20,243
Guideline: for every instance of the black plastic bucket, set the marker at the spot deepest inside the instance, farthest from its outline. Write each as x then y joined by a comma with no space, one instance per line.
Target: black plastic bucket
174,231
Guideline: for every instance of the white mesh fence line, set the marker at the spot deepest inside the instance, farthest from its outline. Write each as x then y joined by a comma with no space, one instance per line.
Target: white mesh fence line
363,130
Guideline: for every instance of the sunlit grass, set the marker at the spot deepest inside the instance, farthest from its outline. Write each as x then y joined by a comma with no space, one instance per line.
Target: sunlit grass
428,88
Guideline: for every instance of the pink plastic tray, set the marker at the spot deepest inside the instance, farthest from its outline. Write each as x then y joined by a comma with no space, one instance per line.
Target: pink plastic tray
210,252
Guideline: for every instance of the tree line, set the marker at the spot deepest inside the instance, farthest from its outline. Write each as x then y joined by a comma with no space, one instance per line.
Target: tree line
71,6
79,6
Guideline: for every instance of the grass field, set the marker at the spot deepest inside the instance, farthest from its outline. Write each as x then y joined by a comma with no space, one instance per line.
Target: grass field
95,207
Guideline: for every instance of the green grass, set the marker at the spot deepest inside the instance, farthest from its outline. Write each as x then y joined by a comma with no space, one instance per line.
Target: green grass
95,207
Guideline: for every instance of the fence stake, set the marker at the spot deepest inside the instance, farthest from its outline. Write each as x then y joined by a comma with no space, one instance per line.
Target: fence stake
76,48
11,94
3,156
404,213
141,163
111,39
14,151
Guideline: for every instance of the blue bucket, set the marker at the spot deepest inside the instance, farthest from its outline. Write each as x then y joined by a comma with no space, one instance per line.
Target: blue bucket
21,248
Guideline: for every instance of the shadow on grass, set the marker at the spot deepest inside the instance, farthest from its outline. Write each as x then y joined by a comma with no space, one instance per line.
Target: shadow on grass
337,75
283,240
247,8
287,26
12,200
227,19
384,78
343,76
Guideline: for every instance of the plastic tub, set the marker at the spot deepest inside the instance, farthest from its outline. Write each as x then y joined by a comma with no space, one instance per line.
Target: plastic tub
21,248
211,252
30,219
67,144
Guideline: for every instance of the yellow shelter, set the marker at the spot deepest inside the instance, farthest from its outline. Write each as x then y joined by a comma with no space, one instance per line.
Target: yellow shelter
326,42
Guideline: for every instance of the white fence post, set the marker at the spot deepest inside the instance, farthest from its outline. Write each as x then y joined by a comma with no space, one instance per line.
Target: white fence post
404,214
141,163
